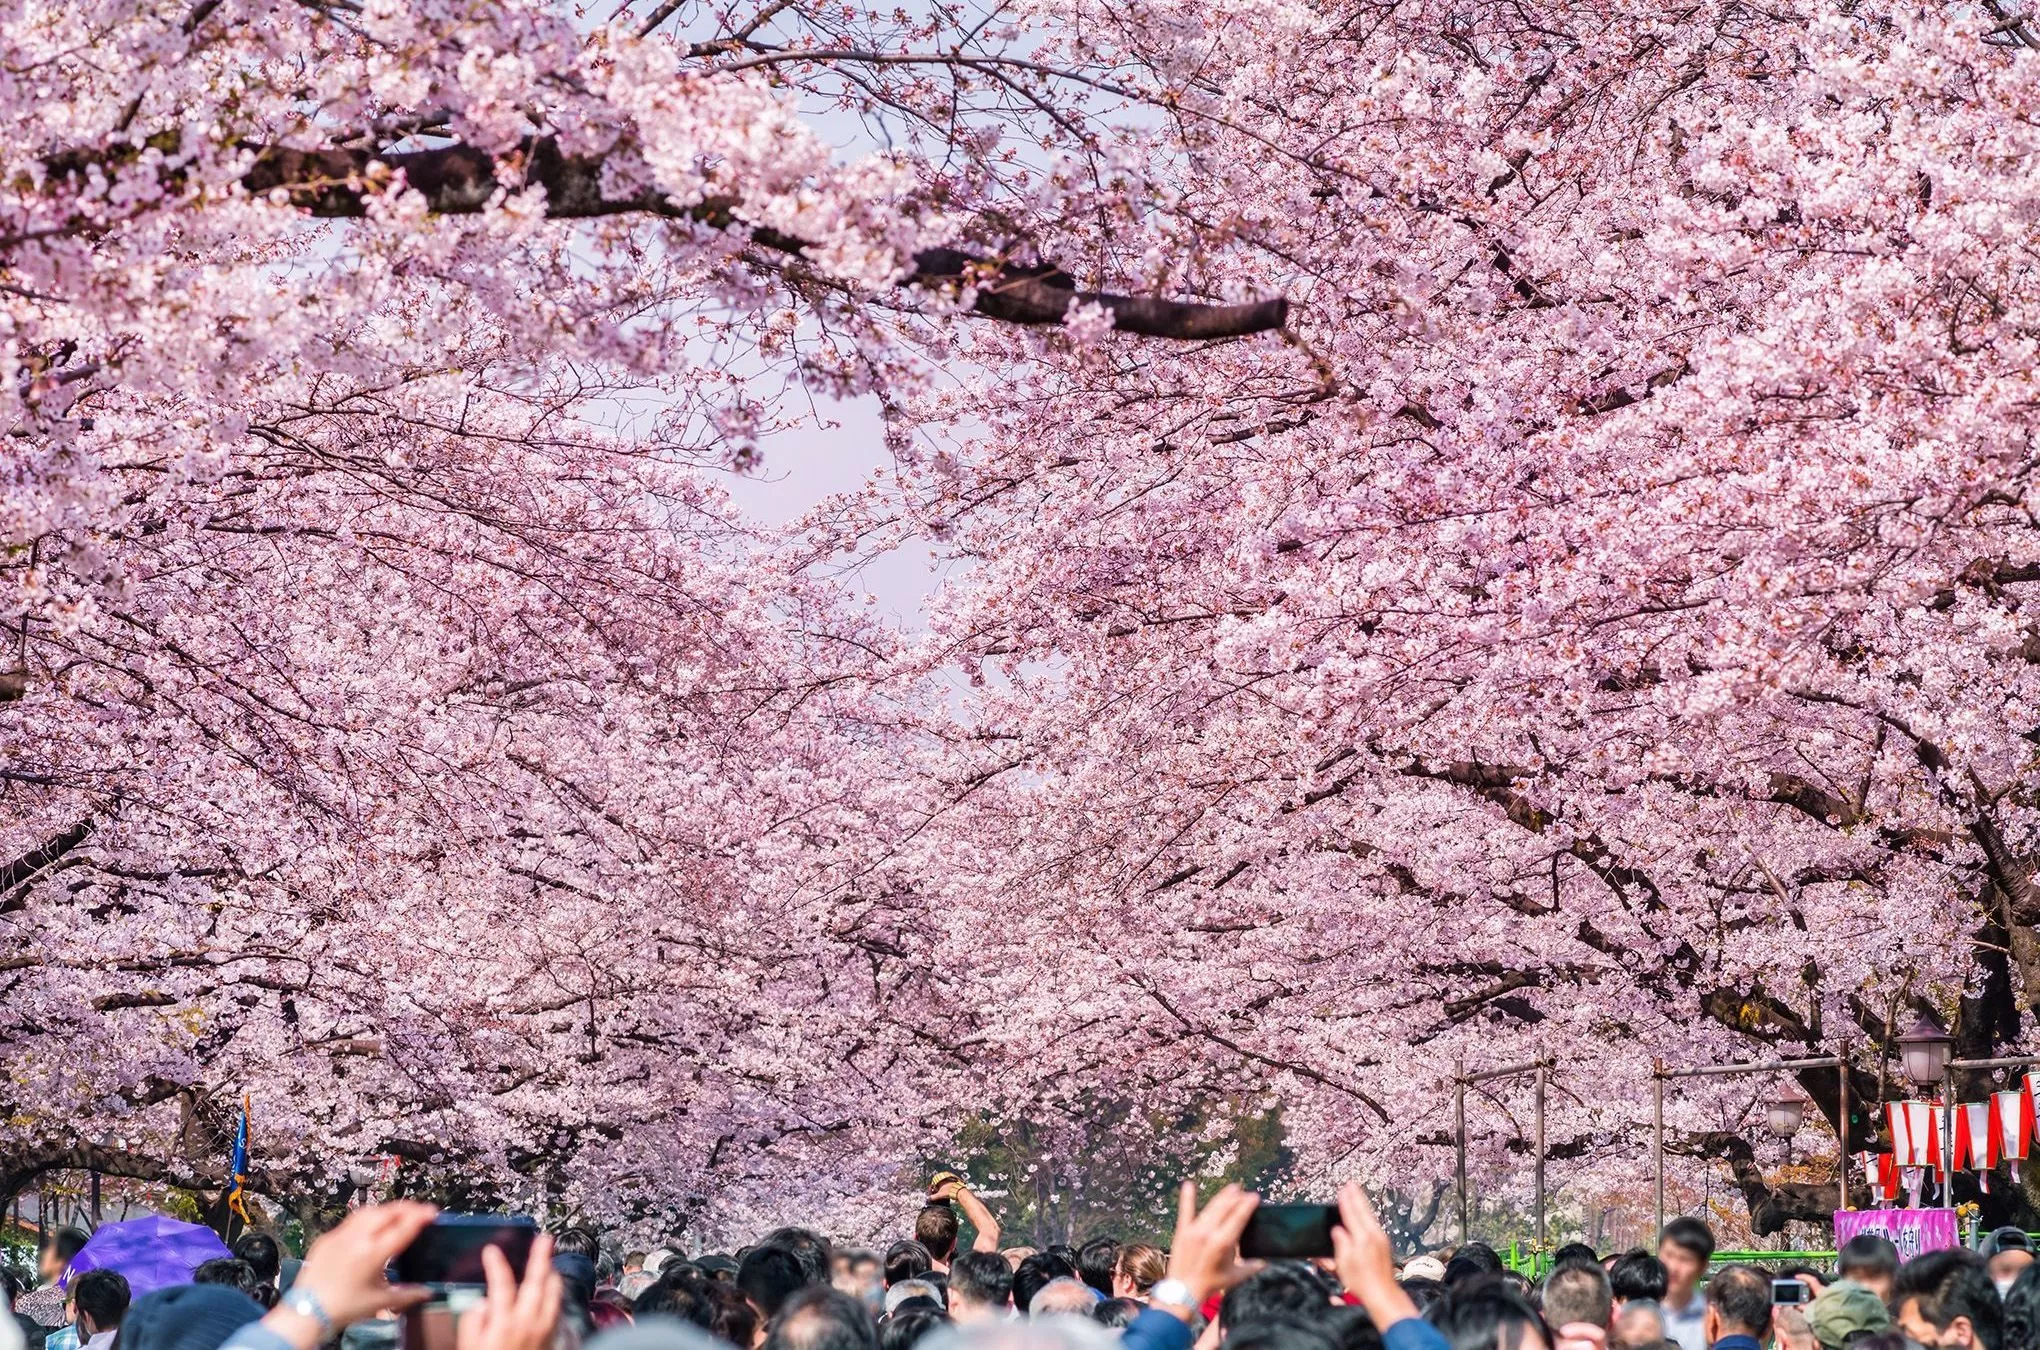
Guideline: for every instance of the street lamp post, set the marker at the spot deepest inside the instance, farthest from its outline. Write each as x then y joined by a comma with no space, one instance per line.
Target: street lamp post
1924,1053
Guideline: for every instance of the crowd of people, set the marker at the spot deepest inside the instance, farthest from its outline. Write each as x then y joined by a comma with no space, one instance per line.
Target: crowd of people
796,1290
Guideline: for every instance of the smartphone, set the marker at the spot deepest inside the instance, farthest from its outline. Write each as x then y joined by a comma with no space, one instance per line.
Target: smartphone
449,1252
1790,1291
1289,1232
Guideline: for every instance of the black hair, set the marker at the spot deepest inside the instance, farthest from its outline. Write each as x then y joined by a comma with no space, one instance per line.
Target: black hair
906,1261
1423,1290
260,1251
66,1242
1577,1291
1280,1289
2022,1311
231,1271
935,1228
1096,1260
815,1254
1352,1329
1741,1298
685,1295
1117,1313
101,1295
1035,1272
1638,1274
1486,1314
1064,1252
982,1278
904,1327
577,1242
1945,1285
1280,1333
769,1276
1691,1234
1575,1251
1867,1254
1470,1262
735,1321
821,1318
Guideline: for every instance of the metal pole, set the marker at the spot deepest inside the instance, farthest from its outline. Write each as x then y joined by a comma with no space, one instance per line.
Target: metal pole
1459,1118
1542,1072
95,1199
1657,1112
1842,1127
1948,1138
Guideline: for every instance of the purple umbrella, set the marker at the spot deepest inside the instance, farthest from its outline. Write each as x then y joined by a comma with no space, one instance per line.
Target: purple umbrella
153,1253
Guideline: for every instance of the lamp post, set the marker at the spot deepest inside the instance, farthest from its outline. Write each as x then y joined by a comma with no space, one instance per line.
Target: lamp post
1783,1115
1923,1053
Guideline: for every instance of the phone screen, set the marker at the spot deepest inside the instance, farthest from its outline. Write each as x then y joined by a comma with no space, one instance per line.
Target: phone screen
450,1250
1789,1291
1287,1232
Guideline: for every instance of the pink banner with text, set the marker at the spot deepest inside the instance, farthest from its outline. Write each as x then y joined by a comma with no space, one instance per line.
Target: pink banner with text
1912,1231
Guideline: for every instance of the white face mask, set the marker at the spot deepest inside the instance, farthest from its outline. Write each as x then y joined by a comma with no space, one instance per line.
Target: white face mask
2004,1286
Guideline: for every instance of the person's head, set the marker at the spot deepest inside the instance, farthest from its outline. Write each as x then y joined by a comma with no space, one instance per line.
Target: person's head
1946,1299
1036,1271
1281,1334
1138,1269
1064,1294
1280,1289
1844,1313
735,1321
187,1317
1352,1329
905,1328
906,1291
1423,1291
577,1242
2022,1311
1578,1292
1015,1255
1738,1303
2008,1251
233,1272
980,1286
935,1228
907,1261
1685,1247
1472,1261
58,1249
816,1257
1096,1260
1575,1252
768,1276
1790,1330
633,1262
1487,1314
683,1293
1637,1274
1639,1325
821,1318
1116,1313
101,1298
1870,1260
262,1254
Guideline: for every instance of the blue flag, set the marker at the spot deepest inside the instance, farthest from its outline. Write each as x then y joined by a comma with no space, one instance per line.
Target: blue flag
237,1196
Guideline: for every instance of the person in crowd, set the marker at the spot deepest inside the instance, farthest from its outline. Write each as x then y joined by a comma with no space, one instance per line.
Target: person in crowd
821,1318
1423,1291
1065,1294
1064,1253
1015,1255
1639,1325
1637,1275
265,1257
2007,1252
1115,1313
1472,1261
1946,1298
188,1317
1790,1329
2021,1321
1487,1314
1425,1267
234,1273
1869,1260
12,1287
1738,1315
1035,1272
811,1249
861,1274
1280,1291
911,1324
1135,1272
53,1255
1569,1252
1576,1294
99,1300
936,1227
906,1291
768,1276
1685,1248
1097,1261
1846,1312
980,1288
908,1260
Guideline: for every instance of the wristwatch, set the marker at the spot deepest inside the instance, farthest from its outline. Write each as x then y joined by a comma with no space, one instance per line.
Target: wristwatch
1172,1294
305,1303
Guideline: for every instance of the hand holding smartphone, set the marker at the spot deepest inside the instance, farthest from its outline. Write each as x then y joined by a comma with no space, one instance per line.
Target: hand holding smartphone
1289,1232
